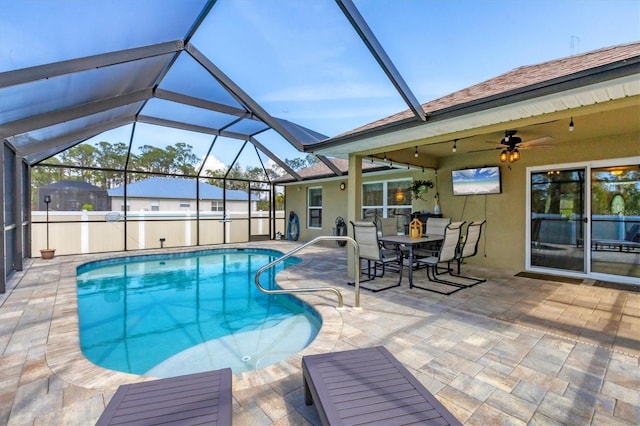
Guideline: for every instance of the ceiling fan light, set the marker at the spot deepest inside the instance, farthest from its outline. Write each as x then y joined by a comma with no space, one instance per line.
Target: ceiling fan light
516,155
504,155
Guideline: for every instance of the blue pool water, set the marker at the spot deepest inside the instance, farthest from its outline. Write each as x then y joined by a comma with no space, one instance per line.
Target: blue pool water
172,314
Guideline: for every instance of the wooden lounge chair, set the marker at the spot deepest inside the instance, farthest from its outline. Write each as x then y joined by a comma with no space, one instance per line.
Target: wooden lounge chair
365,386
201,398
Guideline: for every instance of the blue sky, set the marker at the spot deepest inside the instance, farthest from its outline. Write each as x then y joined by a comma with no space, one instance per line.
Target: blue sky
302,61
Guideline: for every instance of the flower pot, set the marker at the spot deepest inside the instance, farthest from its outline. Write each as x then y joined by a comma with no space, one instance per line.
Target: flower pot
47,253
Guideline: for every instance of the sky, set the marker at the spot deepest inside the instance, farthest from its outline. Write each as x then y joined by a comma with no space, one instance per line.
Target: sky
303,62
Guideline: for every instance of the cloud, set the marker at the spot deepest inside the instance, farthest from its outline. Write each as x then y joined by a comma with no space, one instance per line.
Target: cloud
212,163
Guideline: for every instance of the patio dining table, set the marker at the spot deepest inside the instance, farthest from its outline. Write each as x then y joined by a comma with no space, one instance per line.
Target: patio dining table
410,243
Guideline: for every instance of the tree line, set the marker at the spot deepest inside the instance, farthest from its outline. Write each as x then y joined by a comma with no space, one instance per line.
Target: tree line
103,166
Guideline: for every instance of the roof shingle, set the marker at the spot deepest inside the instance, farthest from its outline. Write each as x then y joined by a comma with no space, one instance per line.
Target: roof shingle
517,79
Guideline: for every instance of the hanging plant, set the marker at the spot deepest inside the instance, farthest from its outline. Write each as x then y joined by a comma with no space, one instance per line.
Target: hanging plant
419,188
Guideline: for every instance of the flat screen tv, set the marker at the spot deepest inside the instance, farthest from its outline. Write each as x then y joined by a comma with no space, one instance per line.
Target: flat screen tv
477,181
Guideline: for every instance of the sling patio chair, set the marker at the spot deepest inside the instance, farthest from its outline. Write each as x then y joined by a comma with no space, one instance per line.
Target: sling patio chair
378,258
434,226
470,249
446,254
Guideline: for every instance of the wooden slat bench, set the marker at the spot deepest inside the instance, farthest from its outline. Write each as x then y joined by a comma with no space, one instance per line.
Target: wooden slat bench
365,386
193,399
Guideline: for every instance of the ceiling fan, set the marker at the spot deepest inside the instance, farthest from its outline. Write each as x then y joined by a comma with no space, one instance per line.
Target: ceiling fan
512,144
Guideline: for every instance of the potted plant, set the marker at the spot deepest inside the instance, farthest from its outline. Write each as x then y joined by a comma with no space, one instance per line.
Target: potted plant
419,188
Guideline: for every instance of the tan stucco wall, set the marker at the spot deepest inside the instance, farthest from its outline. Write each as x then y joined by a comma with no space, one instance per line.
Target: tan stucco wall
503,241
334,200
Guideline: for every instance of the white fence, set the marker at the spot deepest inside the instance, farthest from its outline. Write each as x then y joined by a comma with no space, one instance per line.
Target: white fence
97,232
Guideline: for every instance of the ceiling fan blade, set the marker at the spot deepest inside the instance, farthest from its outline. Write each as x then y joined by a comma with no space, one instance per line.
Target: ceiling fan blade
526,146
542,139
486,149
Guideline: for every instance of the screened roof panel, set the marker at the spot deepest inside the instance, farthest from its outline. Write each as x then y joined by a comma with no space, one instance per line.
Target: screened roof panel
167,140
120,134
68,90
30,141
223,153
275,143
189,78
186,114
67,29
248,127
209,66
288,55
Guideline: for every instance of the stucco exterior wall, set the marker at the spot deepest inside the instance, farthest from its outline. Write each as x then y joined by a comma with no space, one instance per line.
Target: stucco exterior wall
334,200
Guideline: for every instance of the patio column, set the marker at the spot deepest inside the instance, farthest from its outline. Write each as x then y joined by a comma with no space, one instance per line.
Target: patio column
354,203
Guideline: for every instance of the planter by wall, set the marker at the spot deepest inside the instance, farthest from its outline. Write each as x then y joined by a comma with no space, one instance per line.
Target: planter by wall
47,253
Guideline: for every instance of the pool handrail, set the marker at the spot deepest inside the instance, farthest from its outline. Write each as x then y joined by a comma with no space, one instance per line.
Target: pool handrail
316,289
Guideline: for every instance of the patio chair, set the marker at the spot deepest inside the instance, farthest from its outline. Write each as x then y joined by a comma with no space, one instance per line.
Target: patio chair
389,226
470,247
434,226
437,225
446,254
366,235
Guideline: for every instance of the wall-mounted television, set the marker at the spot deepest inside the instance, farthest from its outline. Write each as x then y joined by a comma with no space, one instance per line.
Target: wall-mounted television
477,181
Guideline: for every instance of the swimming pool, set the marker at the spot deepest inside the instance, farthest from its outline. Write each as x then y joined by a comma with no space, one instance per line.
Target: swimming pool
171,314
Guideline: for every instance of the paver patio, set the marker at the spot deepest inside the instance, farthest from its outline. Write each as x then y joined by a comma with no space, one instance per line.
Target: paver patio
512,350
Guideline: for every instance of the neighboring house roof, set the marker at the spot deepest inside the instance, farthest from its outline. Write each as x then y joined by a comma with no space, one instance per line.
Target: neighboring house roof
321,170
519,79
75,184
176,188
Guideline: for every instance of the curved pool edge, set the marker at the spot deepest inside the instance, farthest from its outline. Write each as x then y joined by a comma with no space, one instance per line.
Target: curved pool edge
66,360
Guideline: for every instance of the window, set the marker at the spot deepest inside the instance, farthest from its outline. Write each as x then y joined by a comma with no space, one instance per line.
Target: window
185,203
217,206
315,208
155,205
387,199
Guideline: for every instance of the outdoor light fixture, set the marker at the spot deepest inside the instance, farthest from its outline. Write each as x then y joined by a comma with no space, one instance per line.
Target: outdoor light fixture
511,155
571,125
454,145
399,195
48,252
415,154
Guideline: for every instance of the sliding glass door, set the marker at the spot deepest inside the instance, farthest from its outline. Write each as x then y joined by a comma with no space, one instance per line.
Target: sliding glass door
615,220
585,221
557,219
